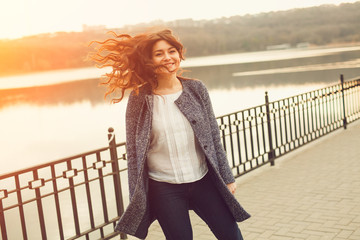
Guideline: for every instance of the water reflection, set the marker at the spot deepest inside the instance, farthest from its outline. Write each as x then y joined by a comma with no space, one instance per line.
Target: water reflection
305,70
216,77
222,76
64,93
44,123
308,68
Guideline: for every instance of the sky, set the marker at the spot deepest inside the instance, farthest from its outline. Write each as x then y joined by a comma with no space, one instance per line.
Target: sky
20,18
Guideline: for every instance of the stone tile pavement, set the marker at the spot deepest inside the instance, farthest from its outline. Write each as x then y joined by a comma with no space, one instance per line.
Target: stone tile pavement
311,193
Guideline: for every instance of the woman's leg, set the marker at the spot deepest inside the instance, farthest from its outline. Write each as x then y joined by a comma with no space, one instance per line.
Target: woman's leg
210,206
170,205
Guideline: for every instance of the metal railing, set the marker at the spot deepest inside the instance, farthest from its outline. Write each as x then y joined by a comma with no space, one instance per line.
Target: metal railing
257,136
73,198
82,197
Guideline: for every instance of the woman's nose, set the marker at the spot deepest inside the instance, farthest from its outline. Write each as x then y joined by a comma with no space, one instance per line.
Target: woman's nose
166,56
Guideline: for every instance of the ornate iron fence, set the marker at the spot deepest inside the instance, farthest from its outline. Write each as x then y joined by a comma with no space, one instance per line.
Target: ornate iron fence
257,136
82,197
73,198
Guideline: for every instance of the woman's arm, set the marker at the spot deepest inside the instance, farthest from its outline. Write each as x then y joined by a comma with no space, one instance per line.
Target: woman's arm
131,120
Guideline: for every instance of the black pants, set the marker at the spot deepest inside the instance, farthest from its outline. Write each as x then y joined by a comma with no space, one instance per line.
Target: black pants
171,203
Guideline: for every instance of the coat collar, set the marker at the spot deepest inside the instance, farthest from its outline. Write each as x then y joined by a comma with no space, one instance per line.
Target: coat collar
149,98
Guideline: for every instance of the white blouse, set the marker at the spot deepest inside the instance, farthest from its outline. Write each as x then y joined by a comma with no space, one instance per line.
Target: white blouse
174,155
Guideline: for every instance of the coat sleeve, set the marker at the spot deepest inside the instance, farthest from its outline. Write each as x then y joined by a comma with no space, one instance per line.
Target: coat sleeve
130,121
224,167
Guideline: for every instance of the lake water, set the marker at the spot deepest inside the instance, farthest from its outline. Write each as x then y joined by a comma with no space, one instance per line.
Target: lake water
56,114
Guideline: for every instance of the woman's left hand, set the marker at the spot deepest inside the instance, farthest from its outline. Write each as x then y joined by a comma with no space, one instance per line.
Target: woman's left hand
232,187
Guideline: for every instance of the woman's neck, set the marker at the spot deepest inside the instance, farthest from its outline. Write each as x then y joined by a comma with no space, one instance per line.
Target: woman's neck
167,84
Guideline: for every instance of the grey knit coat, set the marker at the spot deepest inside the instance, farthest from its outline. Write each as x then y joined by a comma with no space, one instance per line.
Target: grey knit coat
194,103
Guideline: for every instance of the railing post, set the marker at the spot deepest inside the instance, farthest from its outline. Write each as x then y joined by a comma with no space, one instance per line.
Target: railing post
343,99
271,148
2,219
116,175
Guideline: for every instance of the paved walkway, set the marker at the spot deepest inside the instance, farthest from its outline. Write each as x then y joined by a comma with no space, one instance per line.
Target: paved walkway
312,193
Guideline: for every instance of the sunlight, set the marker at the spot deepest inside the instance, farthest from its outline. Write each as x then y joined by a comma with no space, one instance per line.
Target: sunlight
12,18
20,18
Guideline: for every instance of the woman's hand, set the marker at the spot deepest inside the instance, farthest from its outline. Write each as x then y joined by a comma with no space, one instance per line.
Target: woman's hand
232,187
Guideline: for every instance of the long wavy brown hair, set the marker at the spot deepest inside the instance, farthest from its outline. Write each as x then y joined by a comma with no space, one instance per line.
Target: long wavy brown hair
131,60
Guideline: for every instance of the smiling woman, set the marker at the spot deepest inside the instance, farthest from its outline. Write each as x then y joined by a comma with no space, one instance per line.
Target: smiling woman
166,55
135,62
175,158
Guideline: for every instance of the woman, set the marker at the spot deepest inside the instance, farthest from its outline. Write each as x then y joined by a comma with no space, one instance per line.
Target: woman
175,158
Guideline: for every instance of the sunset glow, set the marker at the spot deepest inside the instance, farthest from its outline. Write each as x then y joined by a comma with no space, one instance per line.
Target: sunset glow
23,17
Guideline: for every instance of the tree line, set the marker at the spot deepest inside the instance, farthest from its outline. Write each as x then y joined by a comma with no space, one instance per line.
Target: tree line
323,25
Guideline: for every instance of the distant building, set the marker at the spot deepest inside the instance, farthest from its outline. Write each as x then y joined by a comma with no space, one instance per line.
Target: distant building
279,47
94,28
189,22
303,45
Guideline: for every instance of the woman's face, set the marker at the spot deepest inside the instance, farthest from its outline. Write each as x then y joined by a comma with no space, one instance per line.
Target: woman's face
166,57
